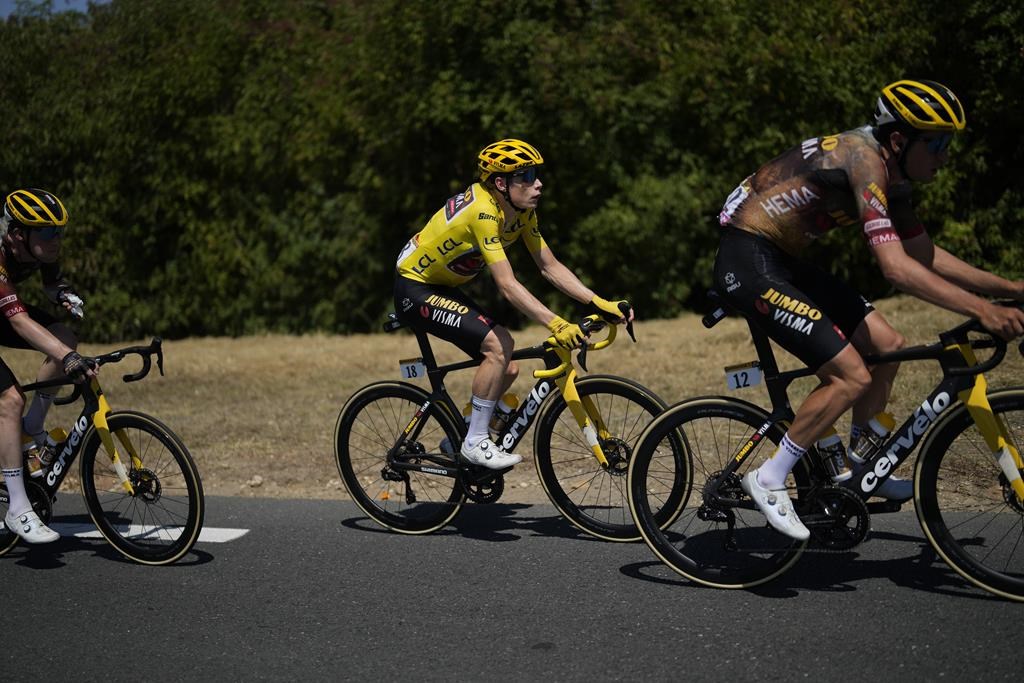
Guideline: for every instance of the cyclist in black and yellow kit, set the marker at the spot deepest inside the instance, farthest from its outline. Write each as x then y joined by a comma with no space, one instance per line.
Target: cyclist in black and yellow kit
471,232
857,178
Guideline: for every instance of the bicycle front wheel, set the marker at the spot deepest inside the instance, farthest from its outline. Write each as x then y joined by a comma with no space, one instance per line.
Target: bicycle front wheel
159,519
719,539
589,495
966,507
368,428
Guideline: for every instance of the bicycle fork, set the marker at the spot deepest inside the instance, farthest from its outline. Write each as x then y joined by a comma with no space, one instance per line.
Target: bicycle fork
993,429
99,420
586,414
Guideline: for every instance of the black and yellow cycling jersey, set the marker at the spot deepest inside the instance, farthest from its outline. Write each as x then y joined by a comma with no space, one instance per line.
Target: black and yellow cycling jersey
467,233
824,183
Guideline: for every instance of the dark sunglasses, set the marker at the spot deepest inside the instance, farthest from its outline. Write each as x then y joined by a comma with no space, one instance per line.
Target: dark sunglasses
939,144
527,175
50,232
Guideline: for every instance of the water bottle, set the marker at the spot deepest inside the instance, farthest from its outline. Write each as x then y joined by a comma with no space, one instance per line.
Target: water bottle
872,438
833,456
503,410
30,451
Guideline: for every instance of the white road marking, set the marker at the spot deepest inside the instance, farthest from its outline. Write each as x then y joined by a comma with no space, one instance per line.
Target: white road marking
207,535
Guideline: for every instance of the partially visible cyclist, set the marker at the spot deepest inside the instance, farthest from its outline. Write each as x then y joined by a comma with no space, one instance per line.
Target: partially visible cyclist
32,227
470,232
861,178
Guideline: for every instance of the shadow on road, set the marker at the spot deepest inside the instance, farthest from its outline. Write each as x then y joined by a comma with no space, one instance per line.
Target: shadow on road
921,570
51,555
496,522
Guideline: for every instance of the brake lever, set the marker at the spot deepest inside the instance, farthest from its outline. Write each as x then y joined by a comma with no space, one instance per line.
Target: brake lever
626,309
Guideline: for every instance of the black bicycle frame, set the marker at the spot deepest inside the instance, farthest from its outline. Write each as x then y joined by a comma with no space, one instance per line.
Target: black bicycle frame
958,376
519,423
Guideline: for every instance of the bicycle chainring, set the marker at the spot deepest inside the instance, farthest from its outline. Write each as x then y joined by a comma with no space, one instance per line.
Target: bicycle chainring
482,489
40,499
837,518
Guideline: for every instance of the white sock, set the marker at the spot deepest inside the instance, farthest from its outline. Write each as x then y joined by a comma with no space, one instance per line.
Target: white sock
479,420
34,420
15,481
772,474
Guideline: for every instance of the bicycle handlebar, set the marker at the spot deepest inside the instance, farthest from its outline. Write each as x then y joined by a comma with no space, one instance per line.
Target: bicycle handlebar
589,324
155,347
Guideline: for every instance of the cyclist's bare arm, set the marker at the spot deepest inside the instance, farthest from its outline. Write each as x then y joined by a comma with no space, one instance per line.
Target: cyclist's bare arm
909,275
517,294
564,280
960,272
39,337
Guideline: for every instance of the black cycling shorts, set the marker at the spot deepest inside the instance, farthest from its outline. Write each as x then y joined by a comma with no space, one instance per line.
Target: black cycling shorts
806,310
445,312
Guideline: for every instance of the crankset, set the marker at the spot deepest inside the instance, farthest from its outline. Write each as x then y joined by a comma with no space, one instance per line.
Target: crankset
482,485
837,518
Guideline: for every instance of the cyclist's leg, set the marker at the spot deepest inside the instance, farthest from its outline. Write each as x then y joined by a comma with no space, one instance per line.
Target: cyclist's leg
20,517
449,314
34,420
757,278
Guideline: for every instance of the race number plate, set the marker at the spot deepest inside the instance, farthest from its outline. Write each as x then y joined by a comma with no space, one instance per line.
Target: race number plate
412,368
743,375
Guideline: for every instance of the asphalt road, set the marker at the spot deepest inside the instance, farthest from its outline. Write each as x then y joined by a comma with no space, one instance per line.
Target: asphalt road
315,591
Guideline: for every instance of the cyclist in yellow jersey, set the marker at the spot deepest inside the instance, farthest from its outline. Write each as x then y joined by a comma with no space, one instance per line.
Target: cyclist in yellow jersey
469,233
860,178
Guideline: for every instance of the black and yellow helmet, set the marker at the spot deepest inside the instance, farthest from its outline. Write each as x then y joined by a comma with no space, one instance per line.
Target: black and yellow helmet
506,156
923,105
32,208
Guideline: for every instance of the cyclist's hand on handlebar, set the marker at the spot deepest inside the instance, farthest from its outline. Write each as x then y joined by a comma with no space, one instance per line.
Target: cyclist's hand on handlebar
567,335
78,367
1005,321
613,311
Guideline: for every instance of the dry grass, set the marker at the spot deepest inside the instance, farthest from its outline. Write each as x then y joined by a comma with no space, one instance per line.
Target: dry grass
258,413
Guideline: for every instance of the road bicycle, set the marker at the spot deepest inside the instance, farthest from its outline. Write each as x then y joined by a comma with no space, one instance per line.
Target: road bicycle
397,445
968,491
143,491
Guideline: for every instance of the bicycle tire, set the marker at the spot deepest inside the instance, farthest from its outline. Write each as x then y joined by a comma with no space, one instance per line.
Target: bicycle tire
161,521
695,545
962,502
593,498
368,426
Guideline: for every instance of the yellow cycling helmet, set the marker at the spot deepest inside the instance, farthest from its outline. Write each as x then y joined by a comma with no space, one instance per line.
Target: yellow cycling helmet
924,105
506,156
33,208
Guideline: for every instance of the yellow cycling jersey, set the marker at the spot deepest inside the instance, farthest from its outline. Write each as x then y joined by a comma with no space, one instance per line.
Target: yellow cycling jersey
466,234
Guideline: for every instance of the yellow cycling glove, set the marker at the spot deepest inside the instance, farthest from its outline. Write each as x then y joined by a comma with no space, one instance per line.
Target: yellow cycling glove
567,335
609,308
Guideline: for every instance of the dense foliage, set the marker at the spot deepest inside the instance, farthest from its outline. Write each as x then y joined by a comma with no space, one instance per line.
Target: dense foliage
234,166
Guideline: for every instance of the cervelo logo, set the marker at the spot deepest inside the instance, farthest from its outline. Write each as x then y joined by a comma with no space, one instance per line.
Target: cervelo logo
537,396
69,446
923,417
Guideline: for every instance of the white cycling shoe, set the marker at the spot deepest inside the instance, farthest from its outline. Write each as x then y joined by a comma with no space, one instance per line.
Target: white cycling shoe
487,454
30,527
776,507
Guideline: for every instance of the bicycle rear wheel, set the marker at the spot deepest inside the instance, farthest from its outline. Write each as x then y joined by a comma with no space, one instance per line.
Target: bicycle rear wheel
966,508
160,520
368,427
713,544
590,496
